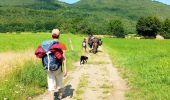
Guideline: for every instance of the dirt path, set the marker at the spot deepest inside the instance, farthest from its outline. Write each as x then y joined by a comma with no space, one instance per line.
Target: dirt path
96,80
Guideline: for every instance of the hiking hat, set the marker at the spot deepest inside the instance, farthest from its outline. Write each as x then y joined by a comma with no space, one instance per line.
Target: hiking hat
55,32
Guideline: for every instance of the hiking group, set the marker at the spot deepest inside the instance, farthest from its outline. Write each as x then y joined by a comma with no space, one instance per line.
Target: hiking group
52,53
93,44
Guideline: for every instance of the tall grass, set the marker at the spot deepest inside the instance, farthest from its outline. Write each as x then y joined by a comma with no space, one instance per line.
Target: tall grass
18,42
25,81
29,79
146,64
11,60
21,42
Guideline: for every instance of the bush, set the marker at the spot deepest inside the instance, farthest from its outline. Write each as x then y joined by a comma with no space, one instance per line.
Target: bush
166,29
148,26
116,28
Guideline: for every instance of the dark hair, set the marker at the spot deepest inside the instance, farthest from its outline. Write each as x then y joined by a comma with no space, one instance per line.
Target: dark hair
55,36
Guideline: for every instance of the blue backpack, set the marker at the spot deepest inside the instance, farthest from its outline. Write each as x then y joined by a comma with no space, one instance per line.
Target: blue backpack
50,62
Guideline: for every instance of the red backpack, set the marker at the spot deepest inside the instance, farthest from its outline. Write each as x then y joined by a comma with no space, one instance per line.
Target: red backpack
55,49
51,54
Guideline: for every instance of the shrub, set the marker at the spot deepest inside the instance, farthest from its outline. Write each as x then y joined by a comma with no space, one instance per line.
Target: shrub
148,26
166,28
116,28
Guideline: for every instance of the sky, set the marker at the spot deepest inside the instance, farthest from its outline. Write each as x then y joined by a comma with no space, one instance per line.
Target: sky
74,1
69,1
164,1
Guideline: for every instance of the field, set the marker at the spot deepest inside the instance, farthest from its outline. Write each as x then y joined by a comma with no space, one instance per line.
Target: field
22,75
145,64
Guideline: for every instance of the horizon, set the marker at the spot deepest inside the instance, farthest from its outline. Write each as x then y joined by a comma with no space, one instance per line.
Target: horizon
163,1
74,1
69,1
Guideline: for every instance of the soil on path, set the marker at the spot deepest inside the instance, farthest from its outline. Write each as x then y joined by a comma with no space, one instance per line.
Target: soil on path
103,80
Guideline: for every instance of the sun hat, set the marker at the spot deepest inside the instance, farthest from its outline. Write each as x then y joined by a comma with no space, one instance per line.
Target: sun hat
55,32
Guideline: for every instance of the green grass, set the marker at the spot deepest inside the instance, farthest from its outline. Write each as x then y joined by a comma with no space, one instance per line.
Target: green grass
83,83
30,79
106,92
19,42
105,86
146,64
24,82
23,41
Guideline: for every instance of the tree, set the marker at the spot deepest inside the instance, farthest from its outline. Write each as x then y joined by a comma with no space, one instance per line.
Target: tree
116,28
166,28
148,26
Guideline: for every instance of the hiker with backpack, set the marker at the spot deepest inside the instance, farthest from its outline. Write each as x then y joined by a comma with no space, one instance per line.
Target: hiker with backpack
52,53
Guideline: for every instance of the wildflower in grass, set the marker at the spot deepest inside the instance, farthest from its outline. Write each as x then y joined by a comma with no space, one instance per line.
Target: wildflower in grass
16,91
20,87
5,98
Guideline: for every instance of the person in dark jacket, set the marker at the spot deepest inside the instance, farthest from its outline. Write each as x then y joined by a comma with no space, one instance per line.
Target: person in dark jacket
90,42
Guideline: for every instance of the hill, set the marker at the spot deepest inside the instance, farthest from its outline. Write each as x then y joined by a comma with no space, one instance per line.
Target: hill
131,9
24,2
85,16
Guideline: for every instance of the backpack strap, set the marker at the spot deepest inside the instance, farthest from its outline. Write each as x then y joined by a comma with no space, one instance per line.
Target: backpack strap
48,60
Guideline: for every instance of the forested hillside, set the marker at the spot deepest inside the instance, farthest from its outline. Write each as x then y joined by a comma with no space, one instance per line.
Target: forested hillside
131,9
85,16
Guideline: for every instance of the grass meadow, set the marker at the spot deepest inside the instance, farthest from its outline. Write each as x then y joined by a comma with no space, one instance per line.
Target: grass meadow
21,75
145,64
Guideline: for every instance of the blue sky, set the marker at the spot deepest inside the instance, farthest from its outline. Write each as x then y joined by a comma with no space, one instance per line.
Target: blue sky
73,1
164,1
69,1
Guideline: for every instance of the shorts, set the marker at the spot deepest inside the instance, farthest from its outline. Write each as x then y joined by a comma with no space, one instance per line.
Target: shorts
84,46
54,79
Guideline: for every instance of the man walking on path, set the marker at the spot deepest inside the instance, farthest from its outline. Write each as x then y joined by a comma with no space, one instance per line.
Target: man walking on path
53,57
55,77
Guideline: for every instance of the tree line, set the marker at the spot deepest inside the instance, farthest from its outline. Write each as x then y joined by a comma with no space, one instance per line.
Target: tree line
152,26
148,27
24,20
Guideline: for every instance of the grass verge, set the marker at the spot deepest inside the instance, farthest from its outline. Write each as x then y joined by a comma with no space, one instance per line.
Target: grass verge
29,79
146,65
24,82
